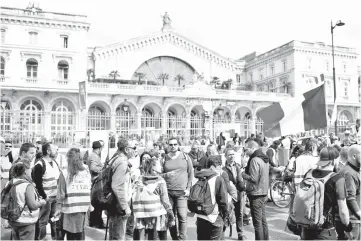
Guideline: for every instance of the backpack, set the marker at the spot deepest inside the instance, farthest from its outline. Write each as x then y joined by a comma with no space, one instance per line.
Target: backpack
200,197
308,206
101,190
10,209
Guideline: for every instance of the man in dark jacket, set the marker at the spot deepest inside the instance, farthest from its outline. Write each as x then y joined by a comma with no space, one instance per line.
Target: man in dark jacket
257,177
196,154
210,227
351,173
234,172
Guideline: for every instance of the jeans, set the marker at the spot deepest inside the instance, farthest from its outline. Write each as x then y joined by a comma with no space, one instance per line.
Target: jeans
117,227
340,229
207,231
324,234
46,213
258,212
75,236
149,234
239,211
180,207
26,232
130,227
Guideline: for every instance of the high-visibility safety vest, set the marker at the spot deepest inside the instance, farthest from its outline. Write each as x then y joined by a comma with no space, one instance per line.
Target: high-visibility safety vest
213,216
27,216
50,178
5,167
146,203
77,198
303,164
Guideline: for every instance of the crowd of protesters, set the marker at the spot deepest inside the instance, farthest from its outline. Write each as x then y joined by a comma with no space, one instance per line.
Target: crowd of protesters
57,189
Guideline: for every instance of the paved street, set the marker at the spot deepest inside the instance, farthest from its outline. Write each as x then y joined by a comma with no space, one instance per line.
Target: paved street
276,222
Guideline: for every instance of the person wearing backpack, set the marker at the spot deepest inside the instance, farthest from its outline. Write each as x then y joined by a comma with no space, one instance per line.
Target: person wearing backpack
45,175
73,197
351,172
321,194
178,174
209,200
151,206
22,217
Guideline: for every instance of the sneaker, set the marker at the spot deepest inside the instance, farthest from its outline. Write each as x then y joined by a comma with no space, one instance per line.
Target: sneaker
241,237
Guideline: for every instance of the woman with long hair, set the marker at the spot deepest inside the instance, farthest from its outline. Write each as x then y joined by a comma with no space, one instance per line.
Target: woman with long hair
74,196
24,227
151,205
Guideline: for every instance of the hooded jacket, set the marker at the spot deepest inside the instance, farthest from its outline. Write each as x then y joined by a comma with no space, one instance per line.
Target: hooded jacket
257,174
221,196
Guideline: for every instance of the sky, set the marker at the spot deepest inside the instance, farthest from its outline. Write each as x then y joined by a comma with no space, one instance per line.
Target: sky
232,28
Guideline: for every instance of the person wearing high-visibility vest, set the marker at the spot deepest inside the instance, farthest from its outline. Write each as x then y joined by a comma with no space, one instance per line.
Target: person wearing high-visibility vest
45,175
73,197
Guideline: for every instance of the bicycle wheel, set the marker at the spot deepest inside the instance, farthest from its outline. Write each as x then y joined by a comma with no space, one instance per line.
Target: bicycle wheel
280,193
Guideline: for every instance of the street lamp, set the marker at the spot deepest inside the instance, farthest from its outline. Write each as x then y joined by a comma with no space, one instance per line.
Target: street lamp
338,23
125,108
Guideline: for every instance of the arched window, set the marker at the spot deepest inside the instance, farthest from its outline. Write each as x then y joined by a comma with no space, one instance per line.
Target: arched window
147,118
5,117
31,105
63,69
98,119
344,119
2,66
31,117
32,68
62,123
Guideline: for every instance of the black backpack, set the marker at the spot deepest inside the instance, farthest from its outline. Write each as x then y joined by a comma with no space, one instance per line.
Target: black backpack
101,192
10,209
200,197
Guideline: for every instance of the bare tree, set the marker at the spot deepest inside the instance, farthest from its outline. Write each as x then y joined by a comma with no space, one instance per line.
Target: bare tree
114,74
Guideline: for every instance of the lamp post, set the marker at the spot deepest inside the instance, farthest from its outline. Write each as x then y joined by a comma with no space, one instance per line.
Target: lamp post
125,108
338,23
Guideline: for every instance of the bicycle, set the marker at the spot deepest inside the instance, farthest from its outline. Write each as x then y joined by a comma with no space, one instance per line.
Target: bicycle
282,190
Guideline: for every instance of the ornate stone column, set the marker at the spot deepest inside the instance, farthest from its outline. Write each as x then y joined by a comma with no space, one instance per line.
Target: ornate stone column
47,125
252,122
112,121
164,124
139,123
188,128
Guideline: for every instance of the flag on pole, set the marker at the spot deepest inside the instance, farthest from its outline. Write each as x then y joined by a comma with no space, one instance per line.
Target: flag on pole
296,115
334,113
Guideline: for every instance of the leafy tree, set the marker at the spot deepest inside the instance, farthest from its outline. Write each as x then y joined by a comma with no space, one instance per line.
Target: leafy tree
114,74
215,80
140,76
163,77
179,78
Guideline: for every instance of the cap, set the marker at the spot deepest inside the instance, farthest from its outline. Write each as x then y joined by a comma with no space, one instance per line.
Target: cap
327,154
96,145
277,143
347,132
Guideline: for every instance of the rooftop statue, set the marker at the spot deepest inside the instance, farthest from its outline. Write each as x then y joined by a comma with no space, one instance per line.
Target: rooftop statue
166,22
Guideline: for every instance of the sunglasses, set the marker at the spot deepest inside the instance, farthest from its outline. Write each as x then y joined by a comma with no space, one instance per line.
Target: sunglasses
8,146
175,144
